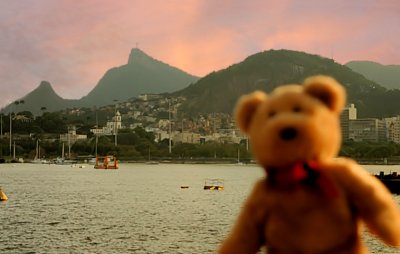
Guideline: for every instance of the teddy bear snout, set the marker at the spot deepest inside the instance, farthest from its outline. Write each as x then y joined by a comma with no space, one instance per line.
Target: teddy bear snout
288,133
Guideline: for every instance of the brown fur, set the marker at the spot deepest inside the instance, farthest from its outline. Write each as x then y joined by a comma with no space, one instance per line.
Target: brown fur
295,217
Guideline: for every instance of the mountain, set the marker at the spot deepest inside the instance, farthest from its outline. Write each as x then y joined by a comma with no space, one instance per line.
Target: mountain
142,74
43,98
386,75
219,91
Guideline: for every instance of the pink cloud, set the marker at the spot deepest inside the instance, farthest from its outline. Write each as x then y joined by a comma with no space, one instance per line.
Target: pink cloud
72,43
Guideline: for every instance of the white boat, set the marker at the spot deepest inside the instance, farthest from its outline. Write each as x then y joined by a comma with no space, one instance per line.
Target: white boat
92,161
37,159
40,161
61,161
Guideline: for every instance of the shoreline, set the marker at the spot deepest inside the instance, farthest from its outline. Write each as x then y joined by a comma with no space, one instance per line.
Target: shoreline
199,161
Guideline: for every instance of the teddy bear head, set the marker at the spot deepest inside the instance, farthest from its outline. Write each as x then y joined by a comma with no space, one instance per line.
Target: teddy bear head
294,123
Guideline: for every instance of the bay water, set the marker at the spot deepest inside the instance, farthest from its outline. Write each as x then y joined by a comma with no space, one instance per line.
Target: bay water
138,208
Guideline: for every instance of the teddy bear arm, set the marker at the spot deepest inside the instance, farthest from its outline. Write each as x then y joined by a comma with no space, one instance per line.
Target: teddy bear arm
373,202
381,215
247,234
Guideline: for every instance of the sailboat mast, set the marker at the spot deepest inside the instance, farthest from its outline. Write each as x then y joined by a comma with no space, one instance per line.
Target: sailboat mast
62,151
37,149
69,144
97,140
1,135
238,155
169,129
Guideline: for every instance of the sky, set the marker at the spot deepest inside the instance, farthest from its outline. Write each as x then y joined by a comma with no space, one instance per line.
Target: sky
72,43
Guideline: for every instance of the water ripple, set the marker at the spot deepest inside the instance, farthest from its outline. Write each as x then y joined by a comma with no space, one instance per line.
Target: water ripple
137,209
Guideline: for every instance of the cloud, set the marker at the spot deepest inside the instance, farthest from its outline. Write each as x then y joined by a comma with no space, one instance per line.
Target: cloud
72,43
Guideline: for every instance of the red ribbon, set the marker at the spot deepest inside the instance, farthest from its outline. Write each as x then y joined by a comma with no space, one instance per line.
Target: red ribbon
308,173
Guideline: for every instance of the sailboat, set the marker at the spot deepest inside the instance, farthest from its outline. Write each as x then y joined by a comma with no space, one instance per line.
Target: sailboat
92,161
62,160
2,160
238,157
149,161
37,159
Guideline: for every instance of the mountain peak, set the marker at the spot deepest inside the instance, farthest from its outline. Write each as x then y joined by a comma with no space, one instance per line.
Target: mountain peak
45,85
137,55
44,89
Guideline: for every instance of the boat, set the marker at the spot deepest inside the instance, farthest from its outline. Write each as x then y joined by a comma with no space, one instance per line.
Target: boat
238,158
37,159
3,196
149,161
391,181
40,161
214,184
106,162
152,162
91,161
61,161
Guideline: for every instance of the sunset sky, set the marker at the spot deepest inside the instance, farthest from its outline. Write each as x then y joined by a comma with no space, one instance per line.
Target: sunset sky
72,43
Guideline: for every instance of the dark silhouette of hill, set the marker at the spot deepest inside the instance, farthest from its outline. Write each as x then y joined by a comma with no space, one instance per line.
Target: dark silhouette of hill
142,74
386,75
42,99
219,91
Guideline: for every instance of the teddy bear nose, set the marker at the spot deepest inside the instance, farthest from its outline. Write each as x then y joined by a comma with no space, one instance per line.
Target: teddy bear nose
288,133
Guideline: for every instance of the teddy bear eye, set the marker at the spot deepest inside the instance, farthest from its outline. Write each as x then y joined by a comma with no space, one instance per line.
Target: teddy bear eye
296,109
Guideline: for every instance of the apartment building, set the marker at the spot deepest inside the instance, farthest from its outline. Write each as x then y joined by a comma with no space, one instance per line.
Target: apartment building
349,113
367,130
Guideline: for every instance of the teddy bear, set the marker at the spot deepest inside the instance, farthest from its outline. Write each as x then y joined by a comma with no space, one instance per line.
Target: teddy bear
310,201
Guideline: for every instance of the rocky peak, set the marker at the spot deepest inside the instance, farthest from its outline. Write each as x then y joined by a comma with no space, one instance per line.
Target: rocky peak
45,85
138,55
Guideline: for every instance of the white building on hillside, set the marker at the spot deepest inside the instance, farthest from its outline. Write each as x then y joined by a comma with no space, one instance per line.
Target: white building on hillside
111,127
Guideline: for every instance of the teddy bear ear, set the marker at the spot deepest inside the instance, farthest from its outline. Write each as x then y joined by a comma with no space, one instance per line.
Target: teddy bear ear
327,90
246,107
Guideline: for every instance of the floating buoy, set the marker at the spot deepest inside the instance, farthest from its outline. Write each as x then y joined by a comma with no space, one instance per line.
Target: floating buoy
3,196
214,184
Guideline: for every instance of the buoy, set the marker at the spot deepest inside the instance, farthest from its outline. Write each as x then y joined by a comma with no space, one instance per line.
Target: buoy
3,196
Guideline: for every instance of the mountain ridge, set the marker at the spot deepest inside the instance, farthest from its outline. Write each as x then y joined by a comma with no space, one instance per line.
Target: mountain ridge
386,75
42,98
141,74
219,90
269,69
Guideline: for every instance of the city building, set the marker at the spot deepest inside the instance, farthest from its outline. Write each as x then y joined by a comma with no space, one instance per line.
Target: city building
393,129
348,113
186,137
71,137
147,97
111,127
367,130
